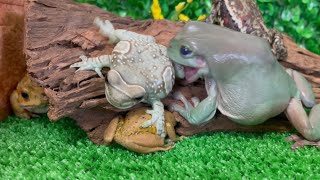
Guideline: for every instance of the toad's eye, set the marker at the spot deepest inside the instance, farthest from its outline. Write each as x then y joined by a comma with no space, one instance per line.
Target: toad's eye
185,51
25,95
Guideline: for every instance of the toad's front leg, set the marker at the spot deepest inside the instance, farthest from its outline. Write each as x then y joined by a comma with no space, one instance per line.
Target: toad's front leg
95,63
157,114
200,112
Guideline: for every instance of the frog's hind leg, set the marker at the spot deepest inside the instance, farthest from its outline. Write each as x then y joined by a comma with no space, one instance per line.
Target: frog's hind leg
170,122
145,143
110,131
107,29
309,127
306,93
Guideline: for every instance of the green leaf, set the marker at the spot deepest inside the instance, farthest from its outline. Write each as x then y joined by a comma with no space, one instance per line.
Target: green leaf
300,27
286,15
296,14
271,9
307,33
198,12
306,1
164,7
122,13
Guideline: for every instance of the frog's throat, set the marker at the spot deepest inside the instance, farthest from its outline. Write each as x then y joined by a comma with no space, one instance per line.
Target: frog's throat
120,94
37,109
115,103
117,82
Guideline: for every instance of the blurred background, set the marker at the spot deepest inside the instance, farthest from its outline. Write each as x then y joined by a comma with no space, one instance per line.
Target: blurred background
300,19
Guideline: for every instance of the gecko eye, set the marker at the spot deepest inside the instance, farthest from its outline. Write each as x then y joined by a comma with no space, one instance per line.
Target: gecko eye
25,95
185,51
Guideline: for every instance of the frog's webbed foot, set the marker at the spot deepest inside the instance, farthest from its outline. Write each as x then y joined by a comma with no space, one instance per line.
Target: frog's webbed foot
96,63
188,107
300,142
106,29
157,114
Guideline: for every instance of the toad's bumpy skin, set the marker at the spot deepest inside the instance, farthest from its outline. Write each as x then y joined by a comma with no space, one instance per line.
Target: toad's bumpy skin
140,71
129,133
244,16
243,79
28,100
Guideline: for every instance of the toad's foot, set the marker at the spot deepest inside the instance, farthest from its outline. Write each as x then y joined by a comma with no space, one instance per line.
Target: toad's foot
301,142
157,118
171,142
96,63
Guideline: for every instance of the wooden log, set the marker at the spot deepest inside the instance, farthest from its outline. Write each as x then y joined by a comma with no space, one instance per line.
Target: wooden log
56,35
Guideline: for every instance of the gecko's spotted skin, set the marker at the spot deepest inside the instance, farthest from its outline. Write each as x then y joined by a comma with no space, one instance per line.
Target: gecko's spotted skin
140,71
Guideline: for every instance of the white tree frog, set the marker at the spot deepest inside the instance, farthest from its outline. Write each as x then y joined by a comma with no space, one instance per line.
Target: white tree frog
243,79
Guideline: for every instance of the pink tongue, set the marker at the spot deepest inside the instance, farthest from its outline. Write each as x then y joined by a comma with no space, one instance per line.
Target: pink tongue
189,72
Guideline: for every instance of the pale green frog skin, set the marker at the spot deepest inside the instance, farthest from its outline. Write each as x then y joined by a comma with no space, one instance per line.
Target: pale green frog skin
243,79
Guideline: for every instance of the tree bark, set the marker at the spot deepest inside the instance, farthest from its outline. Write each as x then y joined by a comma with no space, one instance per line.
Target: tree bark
58,32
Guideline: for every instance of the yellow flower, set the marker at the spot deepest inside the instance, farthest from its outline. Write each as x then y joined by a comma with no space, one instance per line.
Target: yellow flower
183,17
201,17
180,6
156,10
189,1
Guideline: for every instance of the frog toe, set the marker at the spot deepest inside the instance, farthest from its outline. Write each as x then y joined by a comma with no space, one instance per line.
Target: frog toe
300,142
195,101
147,123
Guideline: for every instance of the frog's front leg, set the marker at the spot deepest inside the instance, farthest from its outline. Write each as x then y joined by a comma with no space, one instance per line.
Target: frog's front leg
95,63
157,114
107,29
200,112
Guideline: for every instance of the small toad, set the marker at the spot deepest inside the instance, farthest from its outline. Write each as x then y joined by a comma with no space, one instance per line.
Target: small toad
129,133
28,99
140,71
244,16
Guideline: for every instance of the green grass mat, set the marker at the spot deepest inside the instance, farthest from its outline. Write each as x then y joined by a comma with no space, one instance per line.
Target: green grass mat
39,149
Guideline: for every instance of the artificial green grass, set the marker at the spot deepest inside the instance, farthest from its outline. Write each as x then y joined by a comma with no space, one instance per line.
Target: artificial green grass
39,149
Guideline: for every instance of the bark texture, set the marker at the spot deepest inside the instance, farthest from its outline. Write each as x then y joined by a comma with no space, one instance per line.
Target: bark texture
56,35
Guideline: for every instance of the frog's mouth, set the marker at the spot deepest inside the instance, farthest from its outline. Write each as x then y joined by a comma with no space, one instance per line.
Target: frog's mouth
191,73
192,70
41,109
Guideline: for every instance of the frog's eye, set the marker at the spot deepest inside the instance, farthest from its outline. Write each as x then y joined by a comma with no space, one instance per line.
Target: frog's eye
25,95
185,51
